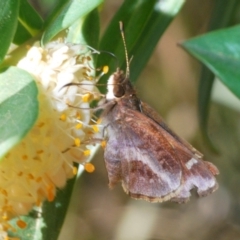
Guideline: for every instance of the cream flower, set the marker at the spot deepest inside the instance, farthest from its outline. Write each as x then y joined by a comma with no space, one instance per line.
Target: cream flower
43,161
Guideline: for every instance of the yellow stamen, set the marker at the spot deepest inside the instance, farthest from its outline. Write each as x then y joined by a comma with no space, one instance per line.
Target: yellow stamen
5,217
77,142
21,223
24,157
89,167
87,152
63,117
78,126
89,78
103,144
105,69
78,116
75,170
50,193
95,128
99,121
86,97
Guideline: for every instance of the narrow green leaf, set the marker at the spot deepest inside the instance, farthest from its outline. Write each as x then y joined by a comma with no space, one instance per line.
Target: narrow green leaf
134,12
162,15
86,31
220,52
134,15
21,35
144,23
54,10
29,18
204,97
69,14
29,23
18,106
91,29
8,24
54,212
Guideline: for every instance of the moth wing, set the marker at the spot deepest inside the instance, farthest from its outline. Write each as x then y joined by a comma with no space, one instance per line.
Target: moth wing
147,170
196,172
151,113
150,171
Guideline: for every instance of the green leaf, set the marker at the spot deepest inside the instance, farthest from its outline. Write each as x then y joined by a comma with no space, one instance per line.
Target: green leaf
18,106
8,24
85,30
21,35
144,22
221,16
70,12
54,7
91,29
29,18
220,52
57,208
134,15
29,23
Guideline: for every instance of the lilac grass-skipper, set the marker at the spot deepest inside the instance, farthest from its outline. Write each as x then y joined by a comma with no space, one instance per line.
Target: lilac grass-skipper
151,161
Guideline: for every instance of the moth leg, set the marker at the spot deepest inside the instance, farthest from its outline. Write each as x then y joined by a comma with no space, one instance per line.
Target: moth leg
90,108
108,125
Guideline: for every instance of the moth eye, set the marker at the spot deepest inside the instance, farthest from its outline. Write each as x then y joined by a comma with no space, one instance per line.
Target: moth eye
119,91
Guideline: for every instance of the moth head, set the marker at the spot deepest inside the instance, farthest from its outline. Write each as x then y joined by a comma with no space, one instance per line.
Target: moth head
118,86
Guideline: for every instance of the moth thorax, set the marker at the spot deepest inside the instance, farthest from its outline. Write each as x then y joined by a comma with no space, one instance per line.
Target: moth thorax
115,85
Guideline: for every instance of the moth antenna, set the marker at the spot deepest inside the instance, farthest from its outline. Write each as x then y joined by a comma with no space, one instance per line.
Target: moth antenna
112,55
125,49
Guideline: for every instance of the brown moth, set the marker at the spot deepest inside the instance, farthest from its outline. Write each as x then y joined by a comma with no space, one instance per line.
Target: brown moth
151,161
